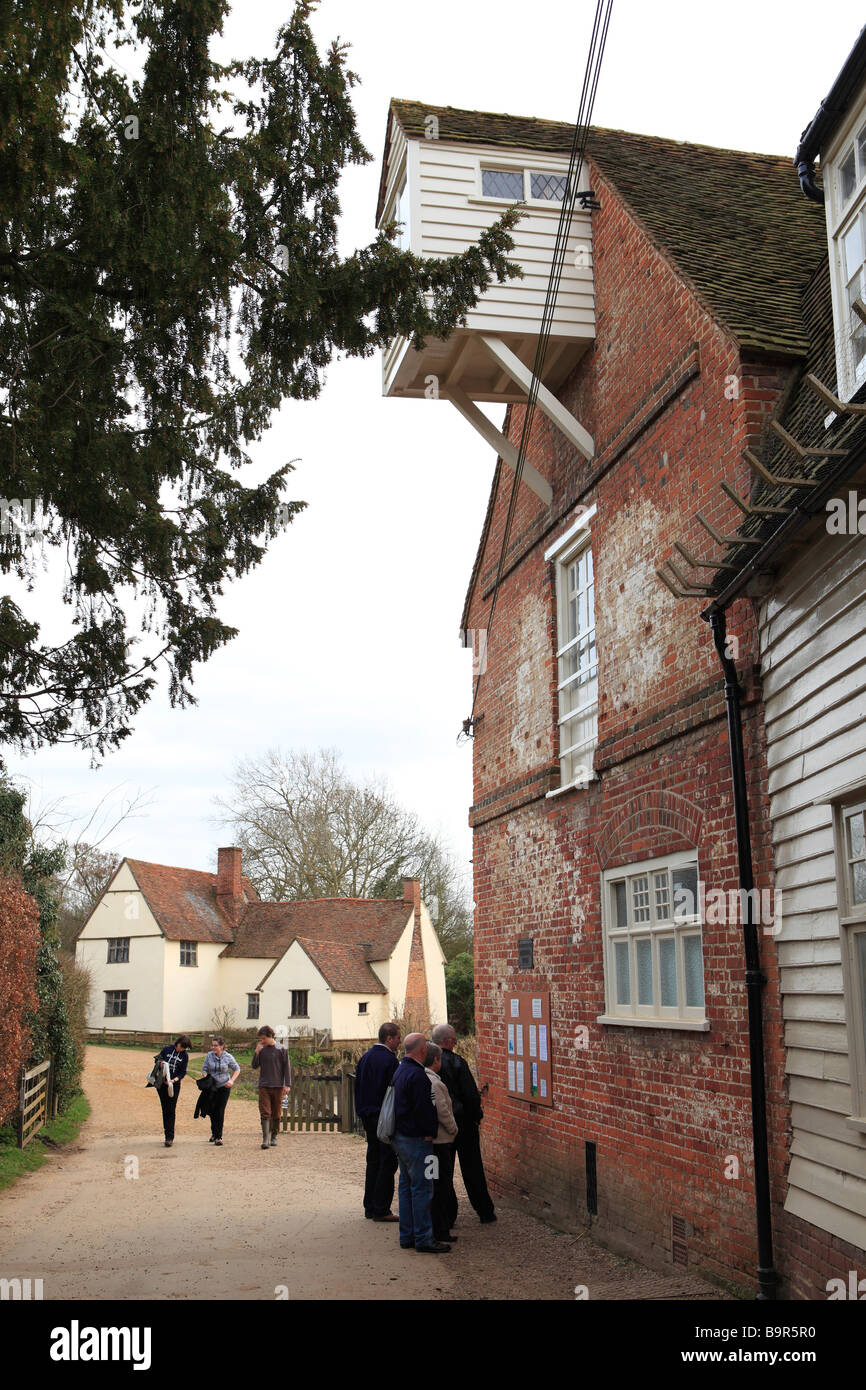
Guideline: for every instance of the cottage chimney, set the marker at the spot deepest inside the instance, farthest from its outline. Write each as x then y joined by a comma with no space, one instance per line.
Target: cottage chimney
412,892
230,893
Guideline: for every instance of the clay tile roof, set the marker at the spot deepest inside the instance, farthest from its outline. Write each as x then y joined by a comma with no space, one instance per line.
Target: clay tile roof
735,224
343,967
184,901
268,929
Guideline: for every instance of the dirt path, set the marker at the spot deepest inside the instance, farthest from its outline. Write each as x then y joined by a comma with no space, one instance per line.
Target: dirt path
237,1222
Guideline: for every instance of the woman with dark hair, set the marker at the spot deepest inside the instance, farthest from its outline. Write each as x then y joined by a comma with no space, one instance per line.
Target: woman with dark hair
176,1059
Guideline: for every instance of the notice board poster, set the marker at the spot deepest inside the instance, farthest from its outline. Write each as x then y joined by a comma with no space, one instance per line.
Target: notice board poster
527,1034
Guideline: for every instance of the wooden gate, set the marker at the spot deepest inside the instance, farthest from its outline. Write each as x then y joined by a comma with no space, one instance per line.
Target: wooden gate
35,1104
320,1099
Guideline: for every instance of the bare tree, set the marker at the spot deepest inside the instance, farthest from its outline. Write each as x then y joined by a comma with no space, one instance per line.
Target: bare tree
308,830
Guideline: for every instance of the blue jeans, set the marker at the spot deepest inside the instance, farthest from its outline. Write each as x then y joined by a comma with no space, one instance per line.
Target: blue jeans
415,1189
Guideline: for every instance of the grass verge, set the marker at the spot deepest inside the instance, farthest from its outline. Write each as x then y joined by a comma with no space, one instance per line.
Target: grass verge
14,1161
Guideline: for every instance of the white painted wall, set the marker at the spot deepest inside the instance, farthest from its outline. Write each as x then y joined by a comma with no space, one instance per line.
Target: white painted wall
296,971
434,966
813,644
191,992
448,214
348,1023
122,911
399,968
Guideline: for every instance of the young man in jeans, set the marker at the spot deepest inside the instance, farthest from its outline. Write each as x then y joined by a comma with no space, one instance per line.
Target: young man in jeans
275,1077
416,1124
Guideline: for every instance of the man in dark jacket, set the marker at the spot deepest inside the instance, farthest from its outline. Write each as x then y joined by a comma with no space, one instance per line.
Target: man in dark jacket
416,1124
373,1075
466,1104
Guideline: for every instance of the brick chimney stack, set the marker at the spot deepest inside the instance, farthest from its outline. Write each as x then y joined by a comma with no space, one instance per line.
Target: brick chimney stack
230,893
412,892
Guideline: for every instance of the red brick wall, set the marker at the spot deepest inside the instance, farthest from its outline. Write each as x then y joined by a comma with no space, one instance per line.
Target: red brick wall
670,406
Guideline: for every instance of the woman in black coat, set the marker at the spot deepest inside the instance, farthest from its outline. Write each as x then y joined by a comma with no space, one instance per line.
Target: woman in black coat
177,1059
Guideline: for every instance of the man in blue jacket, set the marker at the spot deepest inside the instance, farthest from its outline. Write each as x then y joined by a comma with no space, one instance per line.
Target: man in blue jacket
373,1075
416,1124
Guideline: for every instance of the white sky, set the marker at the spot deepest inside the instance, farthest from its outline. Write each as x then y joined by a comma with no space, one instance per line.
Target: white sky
348,630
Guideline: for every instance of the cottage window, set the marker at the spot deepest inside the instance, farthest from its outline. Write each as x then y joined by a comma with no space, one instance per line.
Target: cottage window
118,950
252,1006
654,972
851,893
116,1003
576,652
300,1005
845,183
189,953
362,1008
515,184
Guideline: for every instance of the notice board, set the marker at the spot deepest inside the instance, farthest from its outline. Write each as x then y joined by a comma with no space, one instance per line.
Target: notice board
527,1032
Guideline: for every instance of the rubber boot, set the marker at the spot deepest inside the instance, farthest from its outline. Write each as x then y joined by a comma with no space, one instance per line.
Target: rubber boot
274,1138
266,1134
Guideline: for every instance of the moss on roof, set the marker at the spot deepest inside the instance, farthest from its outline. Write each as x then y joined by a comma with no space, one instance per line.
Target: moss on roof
736,224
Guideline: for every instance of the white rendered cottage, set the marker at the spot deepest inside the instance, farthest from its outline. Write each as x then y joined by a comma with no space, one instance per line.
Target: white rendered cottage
166,946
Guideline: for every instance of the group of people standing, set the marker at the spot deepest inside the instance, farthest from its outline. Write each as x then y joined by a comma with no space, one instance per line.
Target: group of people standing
218,1074
437,1112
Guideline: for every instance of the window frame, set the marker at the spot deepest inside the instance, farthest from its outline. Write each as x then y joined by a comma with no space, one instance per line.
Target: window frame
117,1013
682,1016
190,948
306,994
564,551
527,167
362,1008
112,944
852,928
255,995
841,215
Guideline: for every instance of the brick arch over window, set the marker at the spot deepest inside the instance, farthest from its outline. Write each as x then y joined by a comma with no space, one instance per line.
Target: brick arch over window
649,825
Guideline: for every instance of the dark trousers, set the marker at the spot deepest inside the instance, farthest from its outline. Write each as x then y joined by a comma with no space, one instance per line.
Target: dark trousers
443,1190
169,1106
217,1109
468,1148
381,1168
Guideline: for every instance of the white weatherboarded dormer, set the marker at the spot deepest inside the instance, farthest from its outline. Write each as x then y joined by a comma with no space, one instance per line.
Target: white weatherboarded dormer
446,176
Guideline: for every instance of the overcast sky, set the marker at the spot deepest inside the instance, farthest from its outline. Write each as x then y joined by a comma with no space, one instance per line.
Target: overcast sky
348,630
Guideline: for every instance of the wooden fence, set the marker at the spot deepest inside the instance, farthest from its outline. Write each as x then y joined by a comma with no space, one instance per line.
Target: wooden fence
321,1099
36,1101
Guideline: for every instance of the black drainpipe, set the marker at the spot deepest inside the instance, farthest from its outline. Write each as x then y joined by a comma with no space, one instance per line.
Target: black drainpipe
755,977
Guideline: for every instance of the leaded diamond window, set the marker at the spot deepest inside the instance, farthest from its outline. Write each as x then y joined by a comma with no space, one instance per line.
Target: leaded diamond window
502,183
544,184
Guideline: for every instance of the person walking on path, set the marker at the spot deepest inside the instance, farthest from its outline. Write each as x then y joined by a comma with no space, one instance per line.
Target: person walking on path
176,1058
222,1067
373,1075
416,1124
466,1103
443,1147
271,1061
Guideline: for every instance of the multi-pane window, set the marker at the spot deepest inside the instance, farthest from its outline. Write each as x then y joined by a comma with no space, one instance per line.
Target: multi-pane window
577,663
189,953
300,1007
116,1002
252,1006
520,185
851,851
118,950
847,213
362,1008
654,968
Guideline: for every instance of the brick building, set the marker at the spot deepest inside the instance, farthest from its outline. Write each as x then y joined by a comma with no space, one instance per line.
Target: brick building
605,847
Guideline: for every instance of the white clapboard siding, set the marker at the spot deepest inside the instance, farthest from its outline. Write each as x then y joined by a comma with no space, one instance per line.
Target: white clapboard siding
813,659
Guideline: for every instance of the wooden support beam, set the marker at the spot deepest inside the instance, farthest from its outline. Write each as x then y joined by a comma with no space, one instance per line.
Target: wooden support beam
774,479
804,451
553,409
826,395
723,540
752,509
497,440
702,564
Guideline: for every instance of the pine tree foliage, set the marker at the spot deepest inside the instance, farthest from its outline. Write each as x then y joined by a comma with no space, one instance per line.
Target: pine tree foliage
169,275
